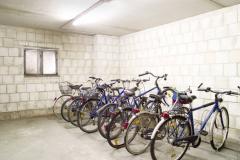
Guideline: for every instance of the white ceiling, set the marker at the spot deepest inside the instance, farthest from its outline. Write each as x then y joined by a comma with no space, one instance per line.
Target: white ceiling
116,17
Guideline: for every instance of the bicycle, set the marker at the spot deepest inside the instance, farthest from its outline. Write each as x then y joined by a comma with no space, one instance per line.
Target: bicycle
119,123
106,112
178,131
69,107
138,135
87,113
68,90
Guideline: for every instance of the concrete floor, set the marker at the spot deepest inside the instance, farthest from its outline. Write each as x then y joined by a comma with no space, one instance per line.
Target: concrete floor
46,138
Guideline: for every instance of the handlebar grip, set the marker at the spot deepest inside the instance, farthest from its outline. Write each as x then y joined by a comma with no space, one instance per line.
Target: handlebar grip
115,80
126,81
236,93
92,77
200,85
142,74
202,89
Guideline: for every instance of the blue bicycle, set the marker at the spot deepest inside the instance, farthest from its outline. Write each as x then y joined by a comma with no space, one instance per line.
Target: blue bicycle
118,124
174,133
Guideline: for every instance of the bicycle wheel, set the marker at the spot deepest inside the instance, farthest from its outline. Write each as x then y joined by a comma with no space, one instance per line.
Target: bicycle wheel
64,108
86,116
139,131
164,145
117,128
58,104
105,117
72,111
219,129
152,106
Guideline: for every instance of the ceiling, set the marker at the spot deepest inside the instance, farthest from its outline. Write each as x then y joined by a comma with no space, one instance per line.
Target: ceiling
110,17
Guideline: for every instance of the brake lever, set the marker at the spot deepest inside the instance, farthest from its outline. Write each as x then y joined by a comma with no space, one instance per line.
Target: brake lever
189,89
200,85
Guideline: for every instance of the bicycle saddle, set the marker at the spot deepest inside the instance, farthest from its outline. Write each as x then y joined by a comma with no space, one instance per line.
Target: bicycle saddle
130,92
185,99
85,88
156,97
116,88
75,86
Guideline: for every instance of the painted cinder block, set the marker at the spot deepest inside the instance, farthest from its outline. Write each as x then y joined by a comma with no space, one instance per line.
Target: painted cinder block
3,88
21,35
15,97
24,96
230,16
230,69
3,51
11,88
12,107
4,98
11,33
8,61
31,87
14,70
13,52
8,42
7,79
34,96
3,70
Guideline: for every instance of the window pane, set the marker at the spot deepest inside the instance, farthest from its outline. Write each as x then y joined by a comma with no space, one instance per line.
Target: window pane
32,62
49,62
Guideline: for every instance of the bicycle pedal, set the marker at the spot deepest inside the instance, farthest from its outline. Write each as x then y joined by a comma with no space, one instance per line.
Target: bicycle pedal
204,133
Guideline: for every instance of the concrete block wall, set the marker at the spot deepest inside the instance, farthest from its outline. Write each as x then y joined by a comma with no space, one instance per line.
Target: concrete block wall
204,48
106,57
22,96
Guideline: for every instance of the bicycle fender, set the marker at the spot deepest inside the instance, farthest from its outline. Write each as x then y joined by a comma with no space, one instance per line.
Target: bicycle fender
132,118
137,115
157,127
104,107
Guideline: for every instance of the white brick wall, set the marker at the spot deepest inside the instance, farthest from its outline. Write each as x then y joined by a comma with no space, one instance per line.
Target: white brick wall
79,56
203,48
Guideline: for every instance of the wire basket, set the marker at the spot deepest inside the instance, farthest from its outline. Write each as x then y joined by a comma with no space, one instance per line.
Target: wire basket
65,88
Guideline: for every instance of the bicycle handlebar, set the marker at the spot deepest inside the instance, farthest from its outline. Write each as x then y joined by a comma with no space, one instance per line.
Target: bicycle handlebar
208,89
147,72
116,80
95,78
141,80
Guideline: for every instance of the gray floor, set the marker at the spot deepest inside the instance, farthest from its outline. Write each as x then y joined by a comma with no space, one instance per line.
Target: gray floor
46,138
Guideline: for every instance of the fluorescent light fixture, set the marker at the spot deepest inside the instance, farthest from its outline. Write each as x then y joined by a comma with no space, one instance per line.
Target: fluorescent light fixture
91,15
89,18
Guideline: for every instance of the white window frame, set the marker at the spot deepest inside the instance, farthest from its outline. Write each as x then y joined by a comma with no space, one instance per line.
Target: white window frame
41,50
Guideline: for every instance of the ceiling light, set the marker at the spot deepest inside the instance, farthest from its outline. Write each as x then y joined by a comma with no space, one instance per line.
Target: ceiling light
90,15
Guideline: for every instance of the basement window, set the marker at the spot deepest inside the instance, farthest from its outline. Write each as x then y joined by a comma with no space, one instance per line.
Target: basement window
40,62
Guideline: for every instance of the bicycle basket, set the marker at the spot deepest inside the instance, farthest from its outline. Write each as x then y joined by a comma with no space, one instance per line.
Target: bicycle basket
64,88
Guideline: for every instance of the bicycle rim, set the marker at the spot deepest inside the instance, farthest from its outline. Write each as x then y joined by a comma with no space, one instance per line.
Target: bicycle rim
164,144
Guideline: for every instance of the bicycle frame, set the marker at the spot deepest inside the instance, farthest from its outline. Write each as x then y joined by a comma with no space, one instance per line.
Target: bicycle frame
136,98
106,99
204,123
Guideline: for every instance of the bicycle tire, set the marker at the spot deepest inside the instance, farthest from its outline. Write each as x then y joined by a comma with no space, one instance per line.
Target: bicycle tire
80,113
138,122
113,140
163,128
72,111
58,104
64,109
213,136
104,118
